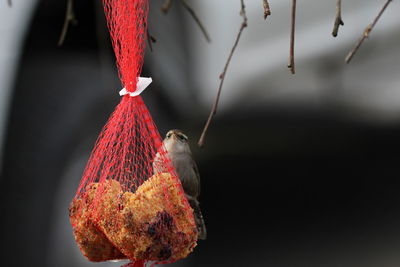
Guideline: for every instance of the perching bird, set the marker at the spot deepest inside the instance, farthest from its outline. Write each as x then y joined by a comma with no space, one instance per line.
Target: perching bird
176,144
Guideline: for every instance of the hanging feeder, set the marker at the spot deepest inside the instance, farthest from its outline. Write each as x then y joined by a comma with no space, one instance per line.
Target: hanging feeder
124,208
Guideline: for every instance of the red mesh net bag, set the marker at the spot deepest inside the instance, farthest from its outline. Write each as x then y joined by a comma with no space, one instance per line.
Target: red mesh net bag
130,203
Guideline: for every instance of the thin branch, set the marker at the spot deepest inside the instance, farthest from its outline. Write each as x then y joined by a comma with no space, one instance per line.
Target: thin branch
150,39
338,20
69,18
166,6
366,33
267,9
292,35
196,18
223,74
9,3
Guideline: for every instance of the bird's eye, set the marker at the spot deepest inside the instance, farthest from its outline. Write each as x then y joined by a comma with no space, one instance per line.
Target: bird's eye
169,135
182,137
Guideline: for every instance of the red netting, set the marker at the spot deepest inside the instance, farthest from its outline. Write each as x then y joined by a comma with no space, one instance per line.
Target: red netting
127,22
130,203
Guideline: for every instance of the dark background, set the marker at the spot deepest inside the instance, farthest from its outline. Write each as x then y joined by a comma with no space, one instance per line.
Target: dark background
282,186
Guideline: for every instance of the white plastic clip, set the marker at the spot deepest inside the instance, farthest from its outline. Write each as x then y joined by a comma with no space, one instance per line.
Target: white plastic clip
142,84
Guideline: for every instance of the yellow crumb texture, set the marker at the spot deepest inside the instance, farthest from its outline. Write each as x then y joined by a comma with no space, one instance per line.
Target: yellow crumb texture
154,223
91,241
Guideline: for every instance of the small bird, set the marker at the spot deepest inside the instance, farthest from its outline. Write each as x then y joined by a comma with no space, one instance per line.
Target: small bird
177,146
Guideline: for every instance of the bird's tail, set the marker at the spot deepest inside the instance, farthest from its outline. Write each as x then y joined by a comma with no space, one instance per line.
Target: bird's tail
198,216
201,226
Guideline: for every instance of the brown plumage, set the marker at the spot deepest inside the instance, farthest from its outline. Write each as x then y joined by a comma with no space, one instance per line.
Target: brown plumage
176,144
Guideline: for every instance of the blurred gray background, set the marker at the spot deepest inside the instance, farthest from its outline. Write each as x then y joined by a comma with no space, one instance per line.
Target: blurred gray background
297,170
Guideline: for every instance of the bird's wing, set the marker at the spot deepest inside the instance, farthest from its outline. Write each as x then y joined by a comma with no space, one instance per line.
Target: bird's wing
196,172
198,216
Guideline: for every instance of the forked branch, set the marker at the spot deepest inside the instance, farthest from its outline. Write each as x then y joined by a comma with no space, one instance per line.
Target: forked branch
338,20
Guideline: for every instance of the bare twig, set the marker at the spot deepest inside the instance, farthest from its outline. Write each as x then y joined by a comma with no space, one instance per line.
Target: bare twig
196,18
166,6
69,18
267,9
9,3
223,74
150,39
292,35
338,20
366,33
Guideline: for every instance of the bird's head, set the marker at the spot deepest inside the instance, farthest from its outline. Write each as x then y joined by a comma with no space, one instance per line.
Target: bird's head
176,142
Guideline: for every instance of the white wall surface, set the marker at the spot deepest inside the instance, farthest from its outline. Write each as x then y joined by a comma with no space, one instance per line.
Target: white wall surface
14,24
